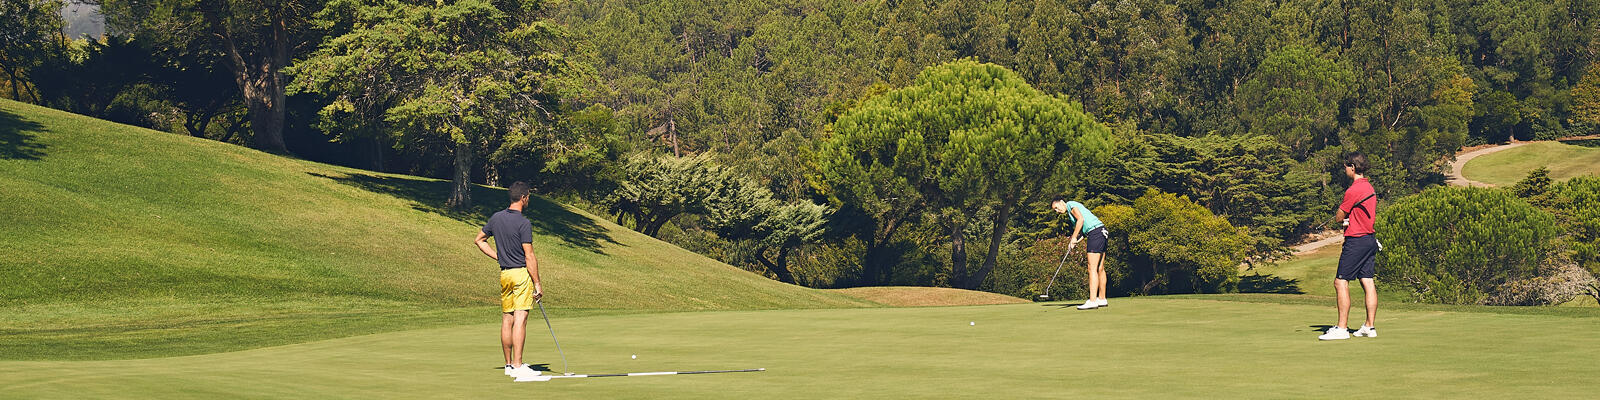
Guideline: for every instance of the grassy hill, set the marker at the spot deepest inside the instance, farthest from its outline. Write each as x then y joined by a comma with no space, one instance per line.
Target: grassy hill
122,242
1565,160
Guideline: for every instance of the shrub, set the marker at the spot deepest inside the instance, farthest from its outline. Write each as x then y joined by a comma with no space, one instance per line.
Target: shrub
1563,282
1027,272
1459,245
1166,243
1576,203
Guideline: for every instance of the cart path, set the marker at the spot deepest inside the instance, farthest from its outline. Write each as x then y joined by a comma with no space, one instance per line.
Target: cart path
1456,179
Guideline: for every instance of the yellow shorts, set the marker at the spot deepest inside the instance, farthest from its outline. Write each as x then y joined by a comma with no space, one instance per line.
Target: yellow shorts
516,290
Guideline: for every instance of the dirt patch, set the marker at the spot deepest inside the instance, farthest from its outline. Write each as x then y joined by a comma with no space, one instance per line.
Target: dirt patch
908,296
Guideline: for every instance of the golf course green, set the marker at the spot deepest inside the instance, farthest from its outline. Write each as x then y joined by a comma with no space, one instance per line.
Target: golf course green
1564,159
142,264
1142,348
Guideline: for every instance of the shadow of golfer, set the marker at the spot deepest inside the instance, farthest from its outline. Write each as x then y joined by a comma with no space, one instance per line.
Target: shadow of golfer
1064,306
535,367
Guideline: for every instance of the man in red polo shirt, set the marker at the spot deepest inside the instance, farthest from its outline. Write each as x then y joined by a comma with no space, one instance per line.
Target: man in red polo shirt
1358,260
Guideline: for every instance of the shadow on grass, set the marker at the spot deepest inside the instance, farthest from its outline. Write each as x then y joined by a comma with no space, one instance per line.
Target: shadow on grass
1268,284
1590,143
545,367
429,196
1072,306
16,139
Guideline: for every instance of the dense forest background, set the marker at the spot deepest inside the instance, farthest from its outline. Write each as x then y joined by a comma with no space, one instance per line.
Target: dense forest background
701,121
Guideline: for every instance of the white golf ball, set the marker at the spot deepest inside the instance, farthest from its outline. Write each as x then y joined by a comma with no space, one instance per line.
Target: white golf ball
635,356
973,323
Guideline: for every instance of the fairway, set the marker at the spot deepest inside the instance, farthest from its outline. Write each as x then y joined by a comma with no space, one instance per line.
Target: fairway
1146,347
1565,160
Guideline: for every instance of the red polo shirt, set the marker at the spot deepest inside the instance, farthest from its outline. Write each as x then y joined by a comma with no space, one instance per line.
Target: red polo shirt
1361,215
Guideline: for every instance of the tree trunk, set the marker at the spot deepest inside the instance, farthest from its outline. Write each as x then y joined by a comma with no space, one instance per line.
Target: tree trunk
376,146
656,223
873,269
958,250
266,118
461,179
779,268
261,84
1002,219
197,121
11,77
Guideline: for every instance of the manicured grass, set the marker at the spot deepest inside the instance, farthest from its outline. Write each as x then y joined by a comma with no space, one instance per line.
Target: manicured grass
1310,274
1152,347
123,242
1506,167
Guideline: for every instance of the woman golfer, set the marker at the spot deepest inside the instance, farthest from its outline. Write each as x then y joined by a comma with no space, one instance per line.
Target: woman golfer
1084,223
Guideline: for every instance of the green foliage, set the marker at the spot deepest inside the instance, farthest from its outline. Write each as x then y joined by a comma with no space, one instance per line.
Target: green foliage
1164,243
1586,98
1457,245
1576,204
654,189
30,33
466,73
964,136
1536,184
582,154
1498,116
1294,95
1251,180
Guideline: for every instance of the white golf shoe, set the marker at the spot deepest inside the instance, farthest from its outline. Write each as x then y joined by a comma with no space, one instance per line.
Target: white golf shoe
524,371
1089,305
1367,331
1335,333
512,371
1102,302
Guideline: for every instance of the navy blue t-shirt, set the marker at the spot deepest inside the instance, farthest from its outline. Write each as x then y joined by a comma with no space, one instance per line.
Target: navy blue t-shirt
510,230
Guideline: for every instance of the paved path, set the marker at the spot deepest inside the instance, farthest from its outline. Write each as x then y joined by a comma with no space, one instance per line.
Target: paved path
1456,179
1313,246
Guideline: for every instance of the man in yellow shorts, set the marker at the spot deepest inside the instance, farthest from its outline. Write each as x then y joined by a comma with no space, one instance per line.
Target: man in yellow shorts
519,275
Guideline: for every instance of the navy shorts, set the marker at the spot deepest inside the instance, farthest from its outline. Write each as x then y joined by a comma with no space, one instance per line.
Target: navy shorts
1097,240
1359,259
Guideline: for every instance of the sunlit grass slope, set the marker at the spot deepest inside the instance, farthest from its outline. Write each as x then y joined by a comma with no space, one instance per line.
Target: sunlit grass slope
1564,159
121,242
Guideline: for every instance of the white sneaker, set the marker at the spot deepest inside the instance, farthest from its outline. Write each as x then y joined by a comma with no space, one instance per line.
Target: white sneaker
1335,333
511,371
1089,305
1103,303
524,371
1367,331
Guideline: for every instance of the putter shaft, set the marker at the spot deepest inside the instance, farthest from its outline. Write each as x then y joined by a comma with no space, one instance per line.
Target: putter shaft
1058,271
564,367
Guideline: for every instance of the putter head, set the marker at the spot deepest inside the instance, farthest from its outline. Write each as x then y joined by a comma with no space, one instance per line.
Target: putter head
1044,296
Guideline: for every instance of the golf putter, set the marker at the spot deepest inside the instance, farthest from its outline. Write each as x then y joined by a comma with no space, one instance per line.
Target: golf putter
564,366
1063,262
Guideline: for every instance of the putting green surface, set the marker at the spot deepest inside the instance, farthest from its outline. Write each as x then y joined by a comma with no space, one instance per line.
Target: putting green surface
1565,160
1154,347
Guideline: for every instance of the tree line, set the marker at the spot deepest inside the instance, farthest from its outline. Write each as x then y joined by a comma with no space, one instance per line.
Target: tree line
735,129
